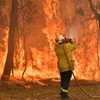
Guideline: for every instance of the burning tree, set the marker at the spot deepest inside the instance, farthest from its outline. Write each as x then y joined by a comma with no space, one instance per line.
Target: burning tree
13,26
97,16
33,30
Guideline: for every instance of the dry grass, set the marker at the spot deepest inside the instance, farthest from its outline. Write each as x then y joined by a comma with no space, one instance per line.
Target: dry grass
22,90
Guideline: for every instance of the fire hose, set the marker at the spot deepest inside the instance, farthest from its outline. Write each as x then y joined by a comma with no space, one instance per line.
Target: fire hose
95,97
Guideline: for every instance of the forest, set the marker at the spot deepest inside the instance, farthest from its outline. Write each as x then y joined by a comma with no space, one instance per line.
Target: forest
28,63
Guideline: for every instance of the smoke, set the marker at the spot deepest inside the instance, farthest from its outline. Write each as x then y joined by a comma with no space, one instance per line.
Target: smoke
75,31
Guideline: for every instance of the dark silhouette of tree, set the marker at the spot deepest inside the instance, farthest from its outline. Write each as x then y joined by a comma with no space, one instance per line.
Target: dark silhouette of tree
97,15
27,22
13,25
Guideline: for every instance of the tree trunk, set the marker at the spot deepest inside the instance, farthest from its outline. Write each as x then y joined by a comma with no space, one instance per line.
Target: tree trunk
93,10
13,25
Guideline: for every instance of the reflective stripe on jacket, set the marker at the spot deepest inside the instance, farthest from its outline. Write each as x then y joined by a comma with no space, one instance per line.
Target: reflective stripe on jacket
64,54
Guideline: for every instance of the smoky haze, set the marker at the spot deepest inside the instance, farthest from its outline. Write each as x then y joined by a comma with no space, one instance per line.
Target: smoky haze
75,31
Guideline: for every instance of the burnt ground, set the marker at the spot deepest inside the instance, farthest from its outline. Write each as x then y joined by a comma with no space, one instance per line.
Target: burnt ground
46,90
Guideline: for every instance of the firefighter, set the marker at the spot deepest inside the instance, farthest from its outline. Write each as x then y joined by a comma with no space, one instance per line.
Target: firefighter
65,62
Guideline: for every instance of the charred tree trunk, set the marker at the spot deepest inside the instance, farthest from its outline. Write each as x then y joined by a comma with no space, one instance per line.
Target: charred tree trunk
25,59
13,25
94,11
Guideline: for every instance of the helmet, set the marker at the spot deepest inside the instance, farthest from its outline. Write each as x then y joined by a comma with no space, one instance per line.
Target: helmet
60,38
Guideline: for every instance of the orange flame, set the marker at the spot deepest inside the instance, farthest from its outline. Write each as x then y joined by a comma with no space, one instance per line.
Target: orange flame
3,54
44,63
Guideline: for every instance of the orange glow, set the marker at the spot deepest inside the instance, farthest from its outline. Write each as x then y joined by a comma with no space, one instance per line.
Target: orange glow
3,54
43,64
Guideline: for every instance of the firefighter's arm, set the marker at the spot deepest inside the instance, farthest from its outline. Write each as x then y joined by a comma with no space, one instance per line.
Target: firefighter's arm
72,46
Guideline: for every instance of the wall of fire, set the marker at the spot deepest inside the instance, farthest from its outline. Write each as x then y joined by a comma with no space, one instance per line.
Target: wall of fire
45,20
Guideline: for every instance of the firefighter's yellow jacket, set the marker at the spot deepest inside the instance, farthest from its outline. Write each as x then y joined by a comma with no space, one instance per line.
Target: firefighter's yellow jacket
64,54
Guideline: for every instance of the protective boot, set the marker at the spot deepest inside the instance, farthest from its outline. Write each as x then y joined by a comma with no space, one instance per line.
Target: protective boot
67,98
64,96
